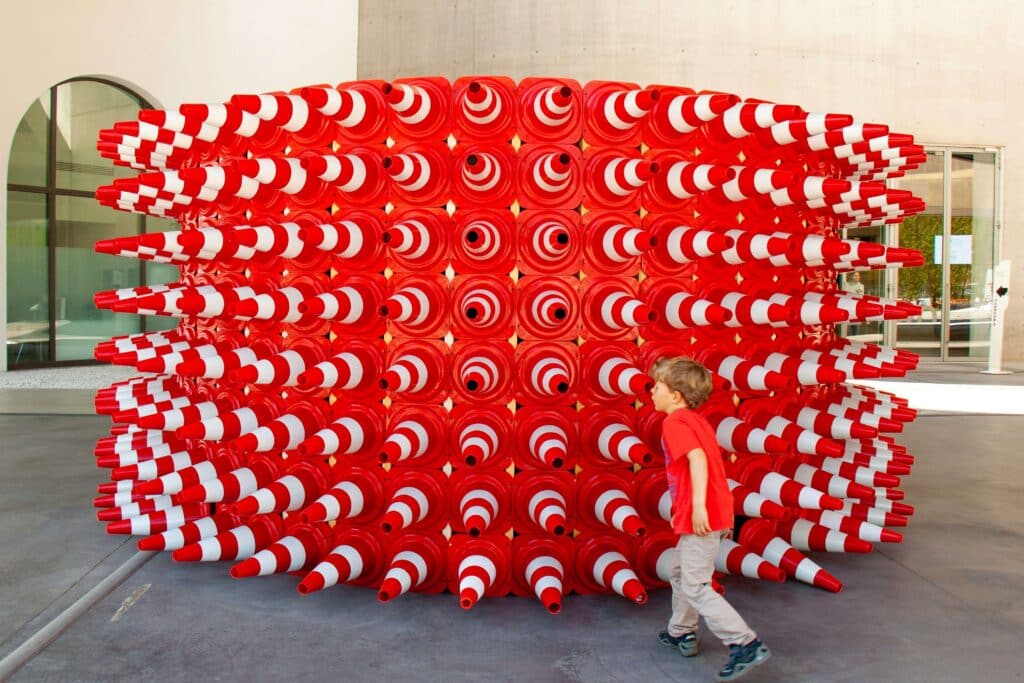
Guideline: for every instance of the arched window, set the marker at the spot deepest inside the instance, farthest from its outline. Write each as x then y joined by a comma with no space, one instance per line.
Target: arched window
53,221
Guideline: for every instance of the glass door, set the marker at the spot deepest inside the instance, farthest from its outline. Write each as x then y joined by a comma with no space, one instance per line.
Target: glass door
958,236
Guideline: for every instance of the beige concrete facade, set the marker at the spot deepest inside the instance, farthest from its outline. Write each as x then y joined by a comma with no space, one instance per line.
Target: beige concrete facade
947,72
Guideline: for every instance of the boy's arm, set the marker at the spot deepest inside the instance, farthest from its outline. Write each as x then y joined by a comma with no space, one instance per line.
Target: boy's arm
699,481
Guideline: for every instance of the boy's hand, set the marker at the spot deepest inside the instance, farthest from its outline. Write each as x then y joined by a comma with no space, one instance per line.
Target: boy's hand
701,526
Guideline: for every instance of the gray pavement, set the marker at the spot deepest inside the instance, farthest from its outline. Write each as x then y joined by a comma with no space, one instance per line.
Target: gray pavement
946,605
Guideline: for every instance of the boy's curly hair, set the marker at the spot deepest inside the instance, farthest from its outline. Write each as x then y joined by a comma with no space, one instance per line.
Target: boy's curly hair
685,375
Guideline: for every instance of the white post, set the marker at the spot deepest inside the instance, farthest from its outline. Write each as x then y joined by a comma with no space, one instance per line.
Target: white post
1000,300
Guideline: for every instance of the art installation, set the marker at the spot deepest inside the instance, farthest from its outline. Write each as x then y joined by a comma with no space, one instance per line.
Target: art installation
417,320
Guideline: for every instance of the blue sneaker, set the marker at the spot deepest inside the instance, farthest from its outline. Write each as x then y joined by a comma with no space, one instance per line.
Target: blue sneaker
743,658
686,643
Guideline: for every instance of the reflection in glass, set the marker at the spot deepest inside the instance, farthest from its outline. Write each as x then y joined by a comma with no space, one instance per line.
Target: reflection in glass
870,282
29,149
80,271
28,308
83,109
161,273
923,285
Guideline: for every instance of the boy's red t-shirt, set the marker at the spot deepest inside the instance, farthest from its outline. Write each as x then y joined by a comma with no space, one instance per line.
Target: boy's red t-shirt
683,431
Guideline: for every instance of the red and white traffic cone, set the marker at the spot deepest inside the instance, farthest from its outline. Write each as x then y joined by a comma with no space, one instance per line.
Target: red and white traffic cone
745,118
544,501
613,177
161,520
741,373
548,308
750,503
735,559
356,239
550,110
483,175
546,371
355,431
416,436
604,500
233,423
609,437
834,485
673,309
355,369
866,531
482,307
417,239
478,567
483,371
805,535
357,107
654,556
415,500
356,495
418,304
190,532
416,370
749,310
611,375
541,567
483,108
236,543
282,369
611,308
149,470
299,550
613,112
601,566
796,437
357,558
355,303
420,108
285,432
549,177
803,372
480,435
176,481
549,242
735,434
827,425
419,174
753,247
675,243
751,182
231,486
781,489
143,506
759,536
480,503
358,177
416,562
547,437
483,241
612,243
654,502
300,484
800,128
678,113
677,181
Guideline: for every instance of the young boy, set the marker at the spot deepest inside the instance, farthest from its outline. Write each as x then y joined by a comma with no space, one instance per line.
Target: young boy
701,515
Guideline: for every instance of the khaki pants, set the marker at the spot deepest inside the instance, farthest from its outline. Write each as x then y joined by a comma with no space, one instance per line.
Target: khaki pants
693,596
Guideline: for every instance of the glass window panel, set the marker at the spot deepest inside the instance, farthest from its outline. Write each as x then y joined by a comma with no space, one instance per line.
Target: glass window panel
972,205
29,149
83,109
922,334
870,282
160,273
28,307
80,272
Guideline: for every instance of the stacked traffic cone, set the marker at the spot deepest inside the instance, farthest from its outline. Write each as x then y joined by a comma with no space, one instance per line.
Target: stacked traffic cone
357,558
602,566
479,567
546,437
481,435
541,567
544,501
604,501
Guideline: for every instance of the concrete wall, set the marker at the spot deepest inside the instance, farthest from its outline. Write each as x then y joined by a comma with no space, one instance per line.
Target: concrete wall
170,52
946,71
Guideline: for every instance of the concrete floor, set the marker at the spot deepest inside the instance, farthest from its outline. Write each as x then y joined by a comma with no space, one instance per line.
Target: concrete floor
946,605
